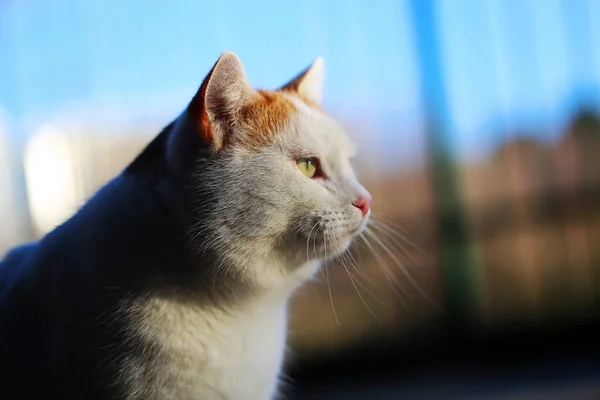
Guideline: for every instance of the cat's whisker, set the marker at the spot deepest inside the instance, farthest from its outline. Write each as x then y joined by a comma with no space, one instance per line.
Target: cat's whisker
341,259
379,218
337,321
379,241
348,256
308,241
388,234
389,275
399,264
359,294
362,270
360,261
315,245
397,231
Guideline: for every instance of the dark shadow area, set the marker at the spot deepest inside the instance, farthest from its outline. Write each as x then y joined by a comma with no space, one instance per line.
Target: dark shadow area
550,359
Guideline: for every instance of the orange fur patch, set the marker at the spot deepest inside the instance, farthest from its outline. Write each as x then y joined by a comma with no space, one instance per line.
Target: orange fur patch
262,119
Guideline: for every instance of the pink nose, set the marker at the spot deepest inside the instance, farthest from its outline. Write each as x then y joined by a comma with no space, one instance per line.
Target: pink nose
363,203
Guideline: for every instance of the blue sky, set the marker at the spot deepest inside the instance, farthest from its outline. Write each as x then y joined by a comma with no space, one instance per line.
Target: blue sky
507,63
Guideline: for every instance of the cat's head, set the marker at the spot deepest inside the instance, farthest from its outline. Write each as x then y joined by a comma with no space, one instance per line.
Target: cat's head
275,180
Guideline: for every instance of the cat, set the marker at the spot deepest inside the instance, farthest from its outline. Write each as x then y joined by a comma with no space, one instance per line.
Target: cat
172,280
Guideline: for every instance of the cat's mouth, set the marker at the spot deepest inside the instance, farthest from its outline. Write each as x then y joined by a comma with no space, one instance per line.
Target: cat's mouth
346,239
356,231
321,240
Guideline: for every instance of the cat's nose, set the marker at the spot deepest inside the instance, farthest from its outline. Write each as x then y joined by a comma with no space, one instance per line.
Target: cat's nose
363,203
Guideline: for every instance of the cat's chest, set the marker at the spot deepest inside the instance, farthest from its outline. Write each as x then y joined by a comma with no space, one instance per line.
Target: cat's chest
211,356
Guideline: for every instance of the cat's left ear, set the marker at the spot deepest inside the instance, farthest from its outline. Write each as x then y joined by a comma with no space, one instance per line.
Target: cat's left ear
223,93
209,118
309,83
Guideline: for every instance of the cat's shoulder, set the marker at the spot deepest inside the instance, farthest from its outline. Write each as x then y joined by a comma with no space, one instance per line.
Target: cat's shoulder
13,259
19,253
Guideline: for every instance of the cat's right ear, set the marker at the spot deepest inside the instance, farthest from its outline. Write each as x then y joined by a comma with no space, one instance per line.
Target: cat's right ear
309,83
224,92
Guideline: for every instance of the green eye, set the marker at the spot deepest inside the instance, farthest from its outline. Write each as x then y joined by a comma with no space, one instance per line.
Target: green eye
308,166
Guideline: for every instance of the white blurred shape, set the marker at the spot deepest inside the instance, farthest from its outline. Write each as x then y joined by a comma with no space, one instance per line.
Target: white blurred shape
50,178
9,233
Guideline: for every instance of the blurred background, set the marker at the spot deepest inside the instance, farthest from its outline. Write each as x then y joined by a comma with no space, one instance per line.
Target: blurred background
479,129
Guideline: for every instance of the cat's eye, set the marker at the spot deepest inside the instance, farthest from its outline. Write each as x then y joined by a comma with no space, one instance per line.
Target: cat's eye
308,166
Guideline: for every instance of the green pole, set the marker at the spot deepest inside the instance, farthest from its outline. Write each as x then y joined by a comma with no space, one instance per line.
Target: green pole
452,223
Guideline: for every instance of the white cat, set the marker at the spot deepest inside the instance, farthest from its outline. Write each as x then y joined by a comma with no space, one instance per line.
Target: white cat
172,282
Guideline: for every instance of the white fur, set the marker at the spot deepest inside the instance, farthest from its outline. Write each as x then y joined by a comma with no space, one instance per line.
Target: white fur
232,353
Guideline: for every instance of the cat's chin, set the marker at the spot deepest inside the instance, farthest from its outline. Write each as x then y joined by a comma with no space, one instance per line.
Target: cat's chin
337,247
341,244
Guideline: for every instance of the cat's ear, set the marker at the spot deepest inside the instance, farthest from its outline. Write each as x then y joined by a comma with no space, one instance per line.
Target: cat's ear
309,83
224,92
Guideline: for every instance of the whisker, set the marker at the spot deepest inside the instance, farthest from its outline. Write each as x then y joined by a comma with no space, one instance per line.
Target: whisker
388,221
395,241
359,294
391,277
337,321
341,258
315,245
308,241
395,229
356,266
341,261
328,283
401,266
